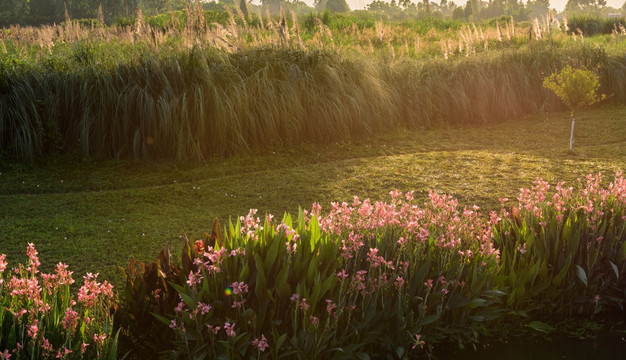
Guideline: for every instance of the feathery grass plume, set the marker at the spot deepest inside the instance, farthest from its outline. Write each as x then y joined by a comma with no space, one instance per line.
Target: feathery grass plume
296,28
283,29
139,22
200,24
174,22
232,23
65,13
242,15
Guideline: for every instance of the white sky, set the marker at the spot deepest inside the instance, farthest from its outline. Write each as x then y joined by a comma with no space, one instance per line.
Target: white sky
557,4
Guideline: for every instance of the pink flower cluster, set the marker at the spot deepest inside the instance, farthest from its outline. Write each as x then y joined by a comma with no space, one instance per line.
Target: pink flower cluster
36,296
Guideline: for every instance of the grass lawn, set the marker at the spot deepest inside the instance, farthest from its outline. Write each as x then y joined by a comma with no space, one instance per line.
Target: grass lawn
96,215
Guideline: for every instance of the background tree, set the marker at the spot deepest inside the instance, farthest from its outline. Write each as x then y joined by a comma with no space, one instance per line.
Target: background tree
13,12
338,6
45,11
576,88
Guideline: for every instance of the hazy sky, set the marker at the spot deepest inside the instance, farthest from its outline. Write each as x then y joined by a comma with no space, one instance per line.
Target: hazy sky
558,4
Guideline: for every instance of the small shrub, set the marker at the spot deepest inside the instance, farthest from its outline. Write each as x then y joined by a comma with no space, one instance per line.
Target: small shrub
576,88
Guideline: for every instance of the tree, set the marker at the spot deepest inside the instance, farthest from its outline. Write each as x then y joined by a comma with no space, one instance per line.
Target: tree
13,11
338,6
46,11
576,88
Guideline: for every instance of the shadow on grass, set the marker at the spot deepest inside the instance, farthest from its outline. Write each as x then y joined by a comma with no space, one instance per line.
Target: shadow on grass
610,348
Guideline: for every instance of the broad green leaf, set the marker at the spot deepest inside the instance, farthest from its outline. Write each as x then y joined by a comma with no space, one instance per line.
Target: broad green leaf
622,252
540,326
474,303
581,274
314,230
270,258
280,341
400,351
429,319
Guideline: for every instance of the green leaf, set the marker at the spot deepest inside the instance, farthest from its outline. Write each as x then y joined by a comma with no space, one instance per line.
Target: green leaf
622,252
540,326
581,274
474,303
615,270
161,318
270,258
400,351
281,340
429,319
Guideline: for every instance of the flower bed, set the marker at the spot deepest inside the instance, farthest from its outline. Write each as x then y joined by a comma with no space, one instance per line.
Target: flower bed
367,279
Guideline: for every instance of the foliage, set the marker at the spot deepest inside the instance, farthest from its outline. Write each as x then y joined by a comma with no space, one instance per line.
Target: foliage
563,250
593,25
337,6
368,278
150,290
41,319
576,87
371,278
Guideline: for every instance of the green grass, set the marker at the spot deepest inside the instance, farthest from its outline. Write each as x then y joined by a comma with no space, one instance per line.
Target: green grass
96,215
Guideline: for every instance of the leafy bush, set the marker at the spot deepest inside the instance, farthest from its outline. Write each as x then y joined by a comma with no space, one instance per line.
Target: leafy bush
41,319
150,290
393,280
594,25
365,279
563,251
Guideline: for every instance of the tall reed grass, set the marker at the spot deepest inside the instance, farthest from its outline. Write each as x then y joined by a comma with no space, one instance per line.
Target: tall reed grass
221,89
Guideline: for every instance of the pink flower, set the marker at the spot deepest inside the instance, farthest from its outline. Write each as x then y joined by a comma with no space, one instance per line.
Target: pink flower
33,329
418,342
3,263
303,305
262,344
198,246
213,329
47,347
70,320
63,275
194,278
83,347
429,283
99,340
237,304
239,288
399,282
294,297
230,329
5,355
33,258
204,308
596,299
342,275
330,306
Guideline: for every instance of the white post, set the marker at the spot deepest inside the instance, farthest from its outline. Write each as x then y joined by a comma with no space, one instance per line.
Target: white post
571,137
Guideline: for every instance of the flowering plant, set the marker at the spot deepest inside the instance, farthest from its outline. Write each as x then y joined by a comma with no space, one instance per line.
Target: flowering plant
41,319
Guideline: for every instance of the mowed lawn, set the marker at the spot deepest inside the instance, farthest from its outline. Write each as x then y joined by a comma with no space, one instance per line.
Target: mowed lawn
96,215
